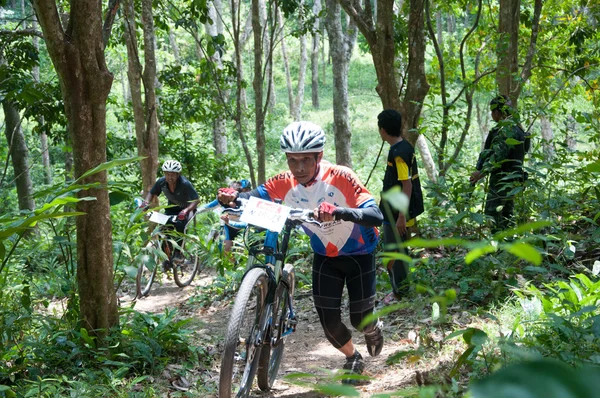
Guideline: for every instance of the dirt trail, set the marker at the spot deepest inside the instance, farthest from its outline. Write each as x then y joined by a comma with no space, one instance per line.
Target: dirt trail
307,350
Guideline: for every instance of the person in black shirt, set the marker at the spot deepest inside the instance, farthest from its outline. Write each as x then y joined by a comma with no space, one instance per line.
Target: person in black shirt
180,193
502,158
401,171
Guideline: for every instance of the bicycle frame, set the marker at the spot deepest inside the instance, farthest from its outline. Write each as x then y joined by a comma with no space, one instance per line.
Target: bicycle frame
273,266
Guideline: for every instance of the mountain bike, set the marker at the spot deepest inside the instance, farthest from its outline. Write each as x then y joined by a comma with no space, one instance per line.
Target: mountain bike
263,313
162,248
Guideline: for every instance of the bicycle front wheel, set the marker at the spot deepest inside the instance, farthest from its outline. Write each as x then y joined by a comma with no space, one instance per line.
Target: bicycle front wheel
242,348
272,354
145,276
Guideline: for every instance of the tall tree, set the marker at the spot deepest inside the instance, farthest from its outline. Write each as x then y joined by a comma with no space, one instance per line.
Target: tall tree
77,53
19,155
257,83
379,34
45,150
240,92
145,113
341,45
507,48
314,55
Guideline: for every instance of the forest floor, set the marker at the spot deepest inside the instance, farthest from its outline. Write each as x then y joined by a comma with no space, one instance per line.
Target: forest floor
307,351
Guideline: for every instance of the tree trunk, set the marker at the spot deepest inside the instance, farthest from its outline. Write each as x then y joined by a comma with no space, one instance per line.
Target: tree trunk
286,68
547,138
240,103
150,100
341,45
299,100
145,117
268,46
314,57
174,46
19,155
219,133
43,136
507,49
257,84
78,58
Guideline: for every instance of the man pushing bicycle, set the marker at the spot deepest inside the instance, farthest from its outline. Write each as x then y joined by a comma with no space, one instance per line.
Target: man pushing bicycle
344,243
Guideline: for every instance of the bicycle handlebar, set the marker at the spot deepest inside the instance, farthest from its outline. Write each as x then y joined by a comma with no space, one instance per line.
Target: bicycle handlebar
297,216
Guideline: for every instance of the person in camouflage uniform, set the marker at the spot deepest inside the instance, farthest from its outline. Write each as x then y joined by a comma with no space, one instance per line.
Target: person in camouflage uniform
502,158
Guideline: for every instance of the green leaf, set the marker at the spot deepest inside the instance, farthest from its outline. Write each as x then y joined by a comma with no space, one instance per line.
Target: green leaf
2,251
388,256
541,378
513,142
398,356
397,199
474,254
131,271
593,167
429,243
31,221
339,389
109,165
117,197
384,311
522,229
526,252
89,340
7,391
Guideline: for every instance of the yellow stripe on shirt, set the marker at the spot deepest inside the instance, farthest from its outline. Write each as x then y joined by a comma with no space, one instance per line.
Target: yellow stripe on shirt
402,168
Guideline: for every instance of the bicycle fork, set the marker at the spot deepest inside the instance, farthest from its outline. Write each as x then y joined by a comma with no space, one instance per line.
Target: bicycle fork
291,321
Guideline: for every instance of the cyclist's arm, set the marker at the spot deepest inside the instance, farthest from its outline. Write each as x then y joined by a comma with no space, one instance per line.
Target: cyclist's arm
211,205
150,197
369,216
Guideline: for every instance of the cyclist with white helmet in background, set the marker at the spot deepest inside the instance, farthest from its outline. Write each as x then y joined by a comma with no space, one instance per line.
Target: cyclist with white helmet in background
180,193
344,243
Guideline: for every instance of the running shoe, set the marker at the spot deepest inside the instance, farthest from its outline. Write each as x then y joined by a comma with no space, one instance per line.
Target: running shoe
354,366
374,338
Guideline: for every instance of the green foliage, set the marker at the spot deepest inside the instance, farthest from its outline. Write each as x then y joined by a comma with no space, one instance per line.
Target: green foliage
545,377
564,319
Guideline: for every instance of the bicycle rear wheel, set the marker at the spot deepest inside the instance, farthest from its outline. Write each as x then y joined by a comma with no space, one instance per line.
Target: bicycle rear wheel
185,271
242,350
271,354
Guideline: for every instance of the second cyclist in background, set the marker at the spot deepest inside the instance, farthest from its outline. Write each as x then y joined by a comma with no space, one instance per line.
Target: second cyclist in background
180,193
231,228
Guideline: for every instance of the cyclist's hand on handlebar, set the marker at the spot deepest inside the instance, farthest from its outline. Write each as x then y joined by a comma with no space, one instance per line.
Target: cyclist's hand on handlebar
227,197
225,218
182,214
325,212
143,205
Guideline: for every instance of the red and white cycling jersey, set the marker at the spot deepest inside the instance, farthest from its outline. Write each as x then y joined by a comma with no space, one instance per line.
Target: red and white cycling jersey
334,184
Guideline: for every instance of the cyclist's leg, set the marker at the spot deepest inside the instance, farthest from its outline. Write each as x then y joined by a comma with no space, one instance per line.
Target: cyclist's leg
361,284
328,286
329,276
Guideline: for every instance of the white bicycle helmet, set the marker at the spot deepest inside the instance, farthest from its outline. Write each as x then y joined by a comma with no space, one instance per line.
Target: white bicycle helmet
172,166
302,137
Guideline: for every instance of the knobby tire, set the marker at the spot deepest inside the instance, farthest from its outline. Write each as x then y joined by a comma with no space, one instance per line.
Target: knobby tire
240,357
144,279
272,354
185,271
